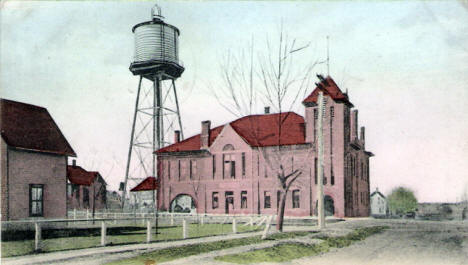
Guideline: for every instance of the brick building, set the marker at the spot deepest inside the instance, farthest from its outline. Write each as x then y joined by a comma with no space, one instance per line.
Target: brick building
33,163
85,189
228,169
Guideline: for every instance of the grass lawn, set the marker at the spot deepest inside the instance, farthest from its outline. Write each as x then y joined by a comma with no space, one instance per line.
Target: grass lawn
290,251
185,251
24,247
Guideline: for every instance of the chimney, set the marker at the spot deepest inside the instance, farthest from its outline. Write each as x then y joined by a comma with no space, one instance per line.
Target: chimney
205,134
267,110
74,162
176,136
363,136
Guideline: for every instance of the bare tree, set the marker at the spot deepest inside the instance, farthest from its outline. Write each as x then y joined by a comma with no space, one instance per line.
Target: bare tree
270,77
195,182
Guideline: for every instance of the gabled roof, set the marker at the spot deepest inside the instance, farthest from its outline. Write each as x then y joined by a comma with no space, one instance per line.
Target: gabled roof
256,130
149,183
328,87
32,128
79,176
377,192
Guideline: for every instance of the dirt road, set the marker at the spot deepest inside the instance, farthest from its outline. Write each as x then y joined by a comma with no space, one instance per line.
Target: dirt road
405,243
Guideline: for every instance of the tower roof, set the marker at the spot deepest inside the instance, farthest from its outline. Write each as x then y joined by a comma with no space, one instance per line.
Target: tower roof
328,87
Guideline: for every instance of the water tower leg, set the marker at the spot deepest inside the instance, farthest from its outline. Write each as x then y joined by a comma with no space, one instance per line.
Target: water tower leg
178,110
131,143
156,137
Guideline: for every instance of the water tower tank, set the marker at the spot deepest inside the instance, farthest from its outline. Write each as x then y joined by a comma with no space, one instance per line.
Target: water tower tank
156,48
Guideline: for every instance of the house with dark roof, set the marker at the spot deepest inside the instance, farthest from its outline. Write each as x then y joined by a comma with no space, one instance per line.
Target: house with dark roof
34,155
85,189
379,206
226,170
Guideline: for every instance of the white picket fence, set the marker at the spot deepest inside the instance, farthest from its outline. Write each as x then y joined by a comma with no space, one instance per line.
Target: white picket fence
145,219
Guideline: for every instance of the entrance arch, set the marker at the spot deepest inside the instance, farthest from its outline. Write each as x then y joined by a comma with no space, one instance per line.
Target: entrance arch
183,203
329,206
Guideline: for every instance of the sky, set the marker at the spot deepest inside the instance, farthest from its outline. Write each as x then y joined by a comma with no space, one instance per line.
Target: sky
404,63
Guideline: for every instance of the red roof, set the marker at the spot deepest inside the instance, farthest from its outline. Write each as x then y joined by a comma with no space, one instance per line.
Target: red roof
31,127
78,175
328,87
256,130
150,183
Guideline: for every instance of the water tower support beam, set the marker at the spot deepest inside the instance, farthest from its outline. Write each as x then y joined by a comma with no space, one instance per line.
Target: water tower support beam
131,143
178,110
156,139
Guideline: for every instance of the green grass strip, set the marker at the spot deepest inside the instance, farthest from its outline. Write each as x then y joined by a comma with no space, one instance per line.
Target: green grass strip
169,254
290,251
25,247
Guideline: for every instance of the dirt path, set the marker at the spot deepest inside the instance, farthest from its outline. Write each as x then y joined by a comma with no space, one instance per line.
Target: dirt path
403,244
406,242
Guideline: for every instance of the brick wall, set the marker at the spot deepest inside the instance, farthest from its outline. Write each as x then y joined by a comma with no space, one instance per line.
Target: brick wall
4,180
25,168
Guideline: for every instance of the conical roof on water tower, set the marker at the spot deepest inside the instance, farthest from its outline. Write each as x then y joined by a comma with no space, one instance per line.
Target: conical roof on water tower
156,48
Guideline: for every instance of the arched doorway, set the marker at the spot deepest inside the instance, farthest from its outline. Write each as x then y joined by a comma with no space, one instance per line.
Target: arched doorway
183,203
329,206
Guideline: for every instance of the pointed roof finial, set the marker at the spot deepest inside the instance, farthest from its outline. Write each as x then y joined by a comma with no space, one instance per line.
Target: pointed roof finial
156,13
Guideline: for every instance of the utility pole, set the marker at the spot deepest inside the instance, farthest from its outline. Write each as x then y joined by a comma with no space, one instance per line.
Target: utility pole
320,212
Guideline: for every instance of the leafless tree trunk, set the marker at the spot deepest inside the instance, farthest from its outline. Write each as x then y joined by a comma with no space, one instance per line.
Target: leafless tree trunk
275,80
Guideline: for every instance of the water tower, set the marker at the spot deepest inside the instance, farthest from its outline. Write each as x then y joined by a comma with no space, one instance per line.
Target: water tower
157,60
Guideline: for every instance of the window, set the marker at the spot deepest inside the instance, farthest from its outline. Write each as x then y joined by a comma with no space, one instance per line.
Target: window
190,169
315,170
332,112
214,166
258,165
224,166
233,169
169,169
267,200
229,199
265,171
296,198
332,176
193,169
324,179
36,202
214,200
178,169
243,164
362,170
315,123
244,199
229,168
367,173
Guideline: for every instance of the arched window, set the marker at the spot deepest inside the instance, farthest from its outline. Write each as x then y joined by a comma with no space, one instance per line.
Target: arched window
228,147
